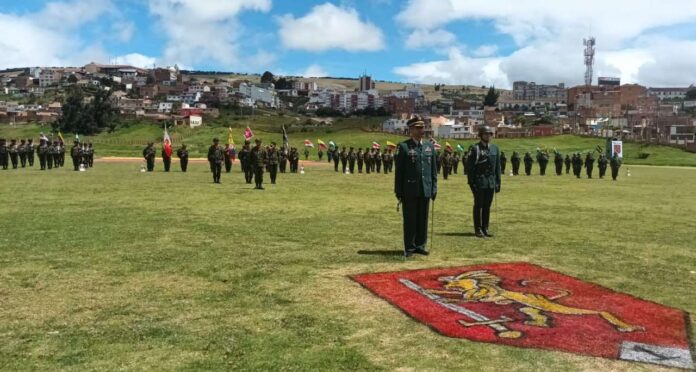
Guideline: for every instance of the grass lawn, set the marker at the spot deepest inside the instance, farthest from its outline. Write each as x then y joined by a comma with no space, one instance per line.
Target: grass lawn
116,269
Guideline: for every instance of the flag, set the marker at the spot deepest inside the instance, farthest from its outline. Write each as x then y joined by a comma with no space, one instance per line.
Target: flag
60,135
248,133
321,144
376,146
599,148
308,143
460,148
42,137
77,137
391,145
230,139
167,143
435,144
448,146
332,145
286,146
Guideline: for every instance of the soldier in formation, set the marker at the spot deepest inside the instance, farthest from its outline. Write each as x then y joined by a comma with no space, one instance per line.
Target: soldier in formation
528,161
30,149
368,160
484,176
335,160
558,161
149,154
577,164
294,159
567,163
273,156
76,155
14,153
503,162
183,155
258,162
388,161
602,163
377,160
455,162
446,161
615,164
282,167
543,160
216,157
167,156
229,157
352,158
360,159
245,161
4,154
589,164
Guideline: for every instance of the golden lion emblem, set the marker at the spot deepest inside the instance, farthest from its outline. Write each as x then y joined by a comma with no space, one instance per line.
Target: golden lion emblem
482,286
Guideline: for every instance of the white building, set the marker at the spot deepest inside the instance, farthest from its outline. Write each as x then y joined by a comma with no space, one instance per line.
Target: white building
259,95
165,107
394,125
195,121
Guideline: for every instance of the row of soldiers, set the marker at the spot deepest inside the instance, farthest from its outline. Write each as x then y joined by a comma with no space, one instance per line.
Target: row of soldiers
51,154
372,160
575,161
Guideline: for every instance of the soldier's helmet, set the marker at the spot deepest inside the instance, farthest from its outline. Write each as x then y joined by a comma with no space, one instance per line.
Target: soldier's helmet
485,130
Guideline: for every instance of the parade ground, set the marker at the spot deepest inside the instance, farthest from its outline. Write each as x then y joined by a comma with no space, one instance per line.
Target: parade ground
114,268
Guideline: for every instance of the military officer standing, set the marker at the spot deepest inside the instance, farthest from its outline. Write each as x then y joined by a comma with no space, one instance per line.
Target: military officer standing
43,153
577,164
446,164
515,160
377,160
567,163
359,156
484,179
528,161
245,160
368,160
76,155
167,156
22,151
352,157
90,155
216,157
543,160
273,160
335,160
30,152
183,156
602,165
558,161
14,152
415,183
258,161
589,164
344,159
615,164
503,162
295,160
50,151
149,154
229,152
283,160
4,156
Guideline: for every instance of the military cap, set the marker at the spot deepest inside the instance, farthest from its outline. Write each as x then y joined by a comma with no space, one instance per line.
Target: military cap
273,143
258,140
485,129
216,139
416,121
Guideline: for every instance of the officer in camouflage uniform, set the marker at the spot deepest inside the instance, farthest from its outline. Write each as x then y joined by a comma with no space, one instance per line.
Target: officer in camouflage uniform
183,156
216,157
484,171
368,160
615,164
528,161
22,151
295,160
282,166
4,154
589,164
446,164
503,162
245,161
258,161
30,152
56,154
567,163
335,159
377,160
415,184
515,160
320,153
543,160
14,152
352,157
360,159
344,159
602,165
558,162
273,160
577,165
76,155
50,153
90,154
149,154
388,161
43,153
61,154
228,158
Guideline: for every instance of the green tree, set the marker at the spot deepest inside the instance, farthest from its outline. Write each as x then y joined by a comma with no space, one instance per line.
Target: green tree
86,118
491,98
267,77
691,93
72,79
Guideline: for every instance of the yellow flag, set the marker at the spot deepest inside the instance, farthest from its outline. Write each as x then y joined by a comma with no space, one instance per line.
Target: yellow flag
391,144
230,140
60,135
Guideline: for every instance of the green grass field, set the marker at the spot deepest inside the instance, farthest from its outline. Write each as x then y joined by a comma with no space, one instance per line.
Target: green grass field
116,269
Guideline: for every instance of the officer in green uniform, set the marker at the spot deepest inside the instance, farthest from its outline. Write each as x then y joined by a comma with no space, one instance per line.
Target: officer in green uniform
344,159
352,158
258,162
577,164
359,156
515,160
245,160
183,156
76,155
22,150
558,161
14,152
216,157
528,161
503,162
49,155
368,160
4,155
589,164
615,164
567,163
335,160
483,169
43,153
30,151
149,154
602,165
273,161
543,160
415,183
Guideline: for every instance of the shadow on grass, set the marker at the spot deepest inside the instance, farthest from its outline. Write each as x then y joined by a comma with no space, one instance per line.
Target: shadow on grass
383,252
457,234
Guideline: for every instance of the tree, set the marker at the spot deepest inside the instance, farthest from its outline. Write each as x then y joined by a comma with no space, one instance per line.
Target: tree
86,118
72,79
267,77
691,93
491,98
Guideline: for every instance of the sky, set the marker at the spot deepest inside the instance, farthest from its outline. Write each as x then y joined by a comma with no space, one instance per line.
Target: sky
476,42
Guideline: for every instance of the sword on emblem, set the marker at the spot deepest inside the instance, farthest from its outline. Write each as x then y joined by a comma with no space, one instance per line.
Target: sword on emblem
480,320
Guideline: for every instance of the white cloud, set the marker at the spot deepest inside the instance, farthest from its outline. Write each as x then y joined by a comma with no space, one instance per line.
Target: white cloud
136,59
199,31
485,50
327,27
424,38
123,31
47,38
314,70
548,35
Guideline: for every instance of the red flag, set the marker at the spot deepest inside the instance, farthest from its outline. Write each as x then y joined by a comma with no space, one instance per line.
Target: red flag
167,143
308,143
376,146
248,133
435,144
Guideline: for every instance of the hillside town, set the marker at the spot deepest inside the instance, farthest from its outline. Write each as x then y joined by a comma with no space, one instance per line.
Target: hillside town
607,108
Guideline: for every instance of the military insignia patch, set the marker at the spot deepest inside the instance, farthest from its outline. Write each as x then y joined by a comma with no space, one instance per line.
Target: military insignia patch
525,305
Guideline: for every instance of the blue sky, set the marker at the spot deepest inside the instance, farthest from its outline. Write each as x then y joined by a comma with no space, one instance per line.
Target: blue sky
431,41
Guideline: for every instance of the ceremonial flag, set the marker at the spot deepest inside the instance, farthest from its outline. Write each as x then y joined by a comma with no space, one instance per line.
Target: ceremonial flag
435,144
308,143
391,145
248,133
77,137
167,143
285,139
44,138
332,145
230,139
60,135
459,147
376,146
448,146
321,144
